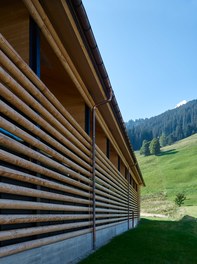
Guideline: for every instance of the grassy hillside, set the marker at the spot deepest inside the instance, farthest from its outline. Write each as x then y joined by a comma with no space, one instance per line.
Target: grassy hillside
174,171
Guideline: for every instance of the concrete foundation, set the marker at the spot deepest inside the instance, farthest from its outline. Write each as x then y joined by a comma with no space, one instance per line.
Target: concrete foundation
68,251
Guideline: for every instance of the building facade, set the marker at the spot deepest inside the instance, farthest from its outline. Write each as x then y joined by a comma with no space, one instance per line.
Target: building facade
69,178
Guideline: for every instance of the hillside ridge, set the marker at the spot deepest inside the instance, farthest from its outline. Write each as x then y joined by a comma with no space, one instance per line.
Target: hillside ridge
174,124
173,171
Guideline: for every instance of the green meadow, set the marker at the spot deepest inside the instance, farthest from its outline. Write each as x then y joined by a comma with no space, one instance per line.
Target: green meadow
172,239
152,242
173,171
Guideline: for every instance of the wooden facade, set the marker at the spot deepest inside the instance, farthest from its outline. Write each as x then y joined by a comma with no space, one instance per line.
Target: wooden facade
50,83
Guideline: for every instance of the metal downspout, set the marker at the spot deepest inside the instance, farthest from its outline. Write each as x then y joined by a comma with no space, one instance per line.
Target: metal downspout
94,162
128,198
81,17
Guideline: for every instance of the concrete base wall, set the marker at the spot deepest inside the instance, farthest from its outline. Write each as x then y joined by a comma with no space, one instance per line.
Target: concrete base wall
68,251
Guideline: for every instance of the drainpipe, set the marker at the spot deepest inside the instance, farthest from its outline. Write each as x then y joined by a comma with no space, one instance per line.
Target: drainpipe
128,198
94,162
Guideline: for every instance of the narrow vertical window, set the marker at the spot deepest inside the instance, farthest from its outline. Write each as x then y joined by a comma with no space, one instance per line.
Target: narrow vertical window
34,47
131,179
108,149
87,119
119,163
125,173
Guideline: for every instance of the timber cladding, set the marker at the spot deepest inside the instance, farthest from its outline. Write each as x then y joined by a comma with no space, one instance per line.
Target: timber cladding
46,186
15,26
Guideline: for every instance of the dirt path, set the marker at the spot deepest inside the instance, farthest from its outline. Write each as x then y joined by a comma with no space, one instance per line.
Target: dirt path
153,215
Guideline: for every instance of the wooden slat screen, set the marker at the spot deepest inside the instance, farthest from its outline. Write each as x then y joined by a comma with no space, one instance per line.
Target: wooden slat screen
46,170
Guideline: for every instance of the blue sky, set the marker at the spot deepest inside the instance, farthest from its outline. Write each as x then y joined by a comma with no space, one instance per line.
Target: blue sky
149,48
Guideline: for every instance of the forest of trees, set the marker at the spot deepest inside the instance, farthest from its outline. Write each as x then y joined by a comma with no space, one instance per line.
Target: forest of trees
171,126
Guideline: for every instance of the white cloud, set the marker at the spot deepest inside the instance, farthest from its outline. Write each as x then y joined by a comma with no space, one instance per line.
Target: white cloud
181,103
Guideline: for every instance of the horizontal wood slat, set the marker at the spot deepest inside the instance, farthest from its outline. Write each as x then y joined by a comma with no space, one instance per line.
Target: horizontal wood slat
22,121
18,219
24,232
23,163
46,167
19,247
28,178
18,103
23,67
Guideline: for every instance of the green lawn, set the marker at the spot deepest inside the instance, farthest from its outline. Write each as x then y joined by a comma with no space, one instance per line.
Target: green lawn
174,171
161,241
153,241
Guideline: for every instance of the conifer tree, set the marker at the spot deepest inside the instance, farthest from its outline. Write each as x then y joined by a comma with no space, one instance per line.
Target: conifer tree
163,140
154,146
145,148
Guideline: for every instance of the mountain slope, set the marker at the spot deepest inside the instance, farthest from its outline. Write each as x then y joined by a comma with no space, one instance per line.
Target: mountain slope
175,124
172,172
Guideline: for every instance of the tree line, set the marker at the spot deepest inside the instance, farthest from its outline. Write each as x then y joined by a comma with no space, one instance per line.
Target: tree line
171,126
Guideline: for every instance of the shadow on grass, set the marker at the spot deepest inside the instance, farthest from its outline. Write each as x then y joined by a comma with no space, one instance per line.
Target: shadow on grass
153,241
168,152
188,218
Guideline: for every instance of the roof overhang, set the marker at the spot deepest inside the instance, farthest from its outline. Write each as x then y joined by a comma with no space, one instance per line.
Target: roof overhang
71,23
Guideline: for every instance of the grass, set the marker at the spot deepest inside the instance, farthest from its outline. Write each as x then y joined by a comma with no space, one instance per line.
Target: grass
159,241
173,171
154,241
